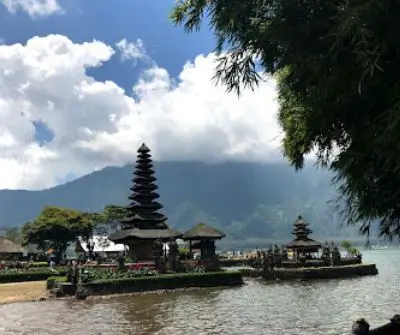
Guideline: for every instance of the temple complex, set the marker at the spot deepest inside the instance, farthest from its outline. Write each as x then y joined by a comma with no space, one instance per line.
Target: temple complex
302,245
299,259
144,229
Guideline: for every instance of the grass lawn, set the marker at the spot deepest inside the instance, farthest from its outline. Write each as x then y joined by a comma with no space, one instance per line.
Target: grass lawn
24,291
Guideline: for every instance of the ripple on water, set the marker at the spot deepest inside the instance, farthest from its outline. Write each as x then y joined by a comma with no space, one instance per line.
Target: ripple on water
297,308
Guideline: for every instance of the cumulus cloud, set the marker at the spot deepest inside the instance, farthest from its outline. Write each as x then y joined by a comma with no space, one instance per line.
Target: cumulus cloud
97,124
132,51
34,8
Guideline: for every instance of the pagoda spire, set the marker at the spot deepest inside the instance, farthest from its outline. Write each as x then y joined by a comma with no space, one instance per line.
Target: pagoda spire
142,212
301,230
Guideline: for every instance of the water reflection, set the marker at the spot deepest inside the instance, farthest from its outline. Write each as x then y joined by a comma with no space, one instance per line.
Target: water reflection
298,308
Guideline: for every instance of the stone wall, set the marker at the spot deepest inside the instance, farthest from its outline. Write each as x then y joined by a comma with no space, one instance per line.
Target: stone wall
330,272
162,282
227,262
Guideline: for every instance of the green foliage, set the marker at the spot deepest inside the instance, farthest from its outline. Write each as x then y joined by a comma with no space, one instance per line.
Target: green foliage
183,253
51,281
89,275
39,264
13,276
55,227
337,67
114,213
350,249
13,234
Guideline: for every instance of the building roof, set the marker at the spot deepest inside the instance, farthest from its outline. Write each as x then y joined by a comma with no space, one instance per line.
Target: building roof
8,246
135,233
304,244
203,232
143,149
102,244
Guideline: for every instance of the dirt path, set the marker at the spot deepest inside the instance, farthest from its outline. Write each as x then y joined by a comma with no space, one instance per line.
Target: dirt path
25,291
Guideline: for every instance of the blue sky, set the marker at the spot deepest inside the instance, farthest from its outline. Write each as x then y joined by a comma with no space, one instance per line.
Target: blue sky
111,21
80,106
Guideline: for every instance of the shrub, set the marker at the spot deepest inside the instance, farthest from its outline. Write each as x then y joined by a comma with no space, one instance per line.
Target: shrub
90,274
39,265
184,253
13,276
53,280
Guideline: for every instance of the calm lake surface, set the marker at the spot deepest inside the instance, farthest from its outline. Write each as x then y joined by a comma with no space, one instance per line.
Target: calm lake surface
296,308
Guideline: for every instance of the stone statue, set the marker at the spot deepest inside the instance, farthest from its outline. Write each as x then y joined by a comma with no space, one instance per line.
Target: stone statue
277,256
284,254
173,253
121,262
158,256
326,254
263,259
336,256
270,258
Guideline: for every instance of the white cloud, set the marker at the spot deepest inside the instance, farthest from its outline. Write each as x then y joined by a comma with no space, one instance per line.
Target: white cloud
97,124
132,51
34,8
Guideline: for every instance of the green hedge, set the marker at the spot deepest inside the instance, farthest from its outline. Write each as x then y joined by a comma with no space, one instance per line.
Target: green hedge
21,276
161,282
51,281
39,265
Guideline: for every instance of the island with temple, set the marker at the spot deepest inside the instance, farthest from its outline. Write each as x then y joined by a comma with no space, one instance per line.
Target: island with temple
151,245
305,258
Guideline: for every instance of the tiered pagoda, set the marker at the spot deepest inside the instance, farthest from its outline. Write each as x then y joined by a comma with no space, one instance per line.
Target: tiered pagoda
302,244
144,225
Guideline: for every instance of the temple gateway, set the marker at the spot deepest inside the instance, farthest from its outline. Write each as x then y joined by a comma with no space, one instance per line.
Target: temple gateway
144,229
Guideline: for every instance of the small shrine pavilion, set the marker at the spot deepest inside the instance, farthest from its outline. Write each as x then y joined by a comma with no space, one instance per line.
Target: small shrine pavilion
144,229
302,244
203,237
10,250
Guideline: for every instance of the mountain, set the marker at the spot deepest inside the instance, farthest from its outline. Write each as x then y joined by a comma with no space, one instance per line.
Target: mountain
246,200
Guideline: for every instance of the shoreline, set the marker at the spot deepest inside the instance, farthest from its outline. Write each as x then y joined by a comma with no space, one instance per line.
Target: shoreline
26,294
155,292
33,291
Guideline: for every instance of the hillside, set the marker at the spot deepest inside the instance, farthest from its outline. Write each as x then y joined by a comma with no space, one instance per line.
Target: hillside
245,200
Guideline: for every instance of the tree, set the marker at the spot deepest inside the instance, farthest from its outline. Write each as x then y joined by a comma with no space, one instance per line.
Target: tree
13,234
350,249
55,227
113,214
336,64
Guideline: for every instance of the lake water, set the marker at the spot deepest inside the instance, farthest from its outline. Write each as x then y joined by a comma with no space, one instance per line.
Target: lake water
295,308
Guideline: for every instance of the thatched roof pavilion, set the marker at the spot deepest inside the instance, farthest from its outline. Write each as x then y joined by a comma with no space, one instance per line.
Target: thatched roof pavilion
204,238
8,247
202,232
